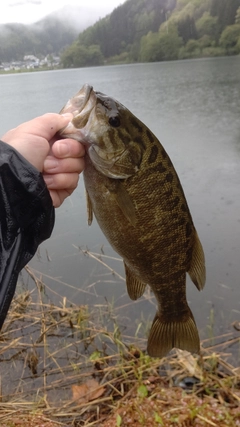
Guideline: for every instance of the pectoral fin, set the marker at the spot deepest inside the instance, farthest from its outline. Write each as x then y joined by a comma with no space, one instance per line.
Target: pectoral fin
126,205
135,287
89,209
197,270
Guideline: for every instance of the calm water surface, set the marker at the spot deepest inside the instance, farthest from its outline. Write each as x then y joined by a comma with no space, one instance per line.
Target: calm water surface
194,109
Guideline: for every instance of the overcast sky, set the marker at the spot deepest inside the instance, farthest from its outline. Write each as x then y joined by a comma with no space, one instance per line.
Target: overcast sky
29,11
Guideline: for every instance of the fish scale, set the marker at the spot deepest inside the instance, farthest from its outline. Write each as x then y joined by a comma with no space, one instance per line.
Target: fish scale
136,196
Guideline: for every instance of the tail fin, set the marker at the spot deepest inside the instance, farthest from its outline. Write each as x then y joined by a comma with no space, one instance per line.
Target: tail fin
165,335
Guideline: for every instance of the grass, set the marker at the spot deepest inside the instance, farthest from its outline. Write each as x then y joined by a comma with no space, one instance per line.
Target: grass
50,352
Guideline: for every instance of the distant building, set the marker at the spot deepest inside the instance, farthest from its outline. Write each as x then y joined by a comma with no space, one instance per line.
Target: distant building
30,58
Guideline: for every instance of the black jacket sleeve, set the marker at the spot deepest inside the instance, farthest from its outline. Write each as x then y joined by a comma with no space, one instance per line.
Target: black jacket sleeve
26,219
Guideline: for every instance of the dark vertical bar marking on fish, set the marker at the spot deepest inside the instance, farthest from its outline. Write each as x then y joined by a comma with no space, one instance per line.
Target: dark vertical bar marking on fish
188,229
169,177
184,208
168,193
140,141
123,137
159,168
136,124
163,153
176,201
153,155
150,136
189,254
181,220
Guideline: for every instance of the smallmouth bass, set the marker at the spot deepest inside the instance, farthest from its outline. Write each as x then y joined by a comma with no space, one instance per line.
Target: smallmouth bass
136,196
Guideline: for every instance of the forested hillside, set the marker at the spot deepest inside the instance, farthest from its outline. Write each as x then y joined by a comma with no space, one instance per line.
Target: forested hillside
156,30
136,31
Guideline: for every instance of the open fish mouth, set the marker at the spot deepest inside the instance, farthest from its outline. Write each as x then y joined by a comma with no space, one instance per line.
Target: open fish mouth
83,97
78,102
80,106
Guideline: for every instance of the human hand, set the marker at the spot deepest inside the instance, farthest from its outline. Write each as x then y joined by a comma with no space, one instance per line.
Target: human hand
60,160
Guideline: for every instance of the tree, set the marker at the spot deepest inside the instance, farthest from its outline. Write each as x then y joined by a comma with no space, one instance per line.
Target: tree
237,18
205,41
170,43
226,11
149,47
78,55
207,25
127,23
229,39
95,56
161,46
187,29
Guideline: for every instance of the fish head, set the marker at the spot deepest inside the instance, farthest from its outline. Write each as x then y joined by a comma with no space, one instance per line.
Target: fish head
102,124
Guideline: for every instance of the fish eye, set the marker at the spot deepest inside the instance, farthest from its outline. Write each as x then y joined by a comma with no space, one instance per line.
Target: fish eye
114,121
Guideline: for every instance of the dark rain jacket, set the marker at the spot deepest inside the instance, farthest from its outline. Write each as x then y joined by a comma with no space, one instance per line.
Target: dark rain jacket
26,219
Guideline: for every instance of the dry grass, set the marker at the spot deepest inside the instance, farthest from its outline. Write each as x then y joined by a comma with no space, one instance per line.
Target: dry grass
46,349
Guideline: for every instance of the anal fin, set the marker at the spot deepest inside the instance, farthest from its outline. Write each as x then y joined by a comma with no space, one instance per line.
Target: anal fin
135,287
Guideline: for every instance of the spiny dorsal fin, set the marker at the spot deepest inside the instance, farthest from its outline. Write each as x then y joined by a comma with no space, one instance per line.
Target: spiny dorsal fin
135,288
89,209
126,205
197,270
165,335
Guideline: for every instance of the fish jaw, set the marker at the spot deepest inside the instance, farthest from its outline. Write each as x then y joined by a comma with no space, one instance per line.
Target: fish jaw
80,106
86,125
77,103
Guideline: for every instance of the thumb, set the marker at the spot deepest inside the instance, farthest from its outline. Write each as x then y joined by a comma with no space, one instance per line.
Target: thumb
47,125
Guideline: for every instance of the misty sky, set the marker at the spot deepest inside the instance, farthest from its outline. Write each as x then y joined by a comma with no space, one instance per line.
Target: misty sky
29,11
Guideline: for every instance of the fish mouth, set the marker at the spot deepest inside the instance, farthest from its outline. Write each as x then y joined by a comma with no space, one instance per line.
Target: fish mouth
81,106
78,102
83,97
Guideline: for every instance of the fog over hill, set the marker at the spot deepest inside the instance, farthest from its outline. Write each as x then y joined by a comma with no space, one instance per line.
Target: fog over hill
49,35
78,18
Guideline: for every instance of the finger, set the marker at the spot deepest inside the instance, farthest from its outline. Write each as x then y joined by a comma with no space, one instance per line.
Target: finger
53,165
67,148
61,181
58,197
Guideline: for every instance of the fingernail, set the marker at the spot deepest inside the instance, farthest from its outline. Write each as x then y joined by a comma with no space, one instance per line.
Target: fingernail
48,180
69,116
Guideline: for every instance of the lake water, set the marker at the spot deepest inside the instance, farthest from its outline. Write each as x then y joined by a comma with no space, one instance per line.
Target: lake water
193,107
